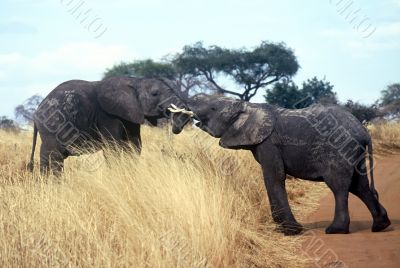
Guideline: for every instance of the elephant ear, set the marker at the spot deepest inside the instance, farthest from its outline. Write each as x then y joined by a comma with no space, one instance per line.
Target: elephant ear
252,125
118,96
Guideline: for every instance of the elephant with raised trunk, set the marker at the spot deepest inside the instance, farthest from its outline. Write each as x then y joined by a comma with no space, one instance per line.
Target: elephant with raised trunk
318,143
80,115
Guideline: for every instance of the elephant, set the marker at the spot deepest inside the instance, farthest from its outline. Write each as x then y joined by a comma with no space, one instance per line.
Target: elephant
80,115
319,143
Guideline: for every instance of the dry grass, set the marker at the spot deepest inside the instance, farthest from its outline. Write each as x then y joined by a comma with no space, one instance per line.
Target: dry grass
184,202
386,137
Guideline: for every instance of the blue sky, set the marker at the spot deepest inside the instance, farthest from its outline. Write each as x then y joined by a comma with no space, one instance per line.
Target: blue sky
42,44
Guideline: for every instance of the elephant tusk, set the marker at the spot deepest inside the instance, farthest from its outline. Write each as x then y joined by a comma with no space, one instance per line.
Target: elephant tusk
174,109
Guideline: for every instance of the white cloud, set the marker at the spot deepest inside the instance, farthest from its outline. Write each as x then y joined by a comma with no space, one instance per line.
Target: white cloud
10,58
370,49
386,38
335,33
82,57
373,46
74,58
383,30
389,29
26,90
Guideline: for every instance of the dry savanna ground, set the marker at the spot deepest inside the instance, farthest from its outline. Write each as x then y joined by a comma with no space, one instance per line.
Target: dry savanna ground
184,202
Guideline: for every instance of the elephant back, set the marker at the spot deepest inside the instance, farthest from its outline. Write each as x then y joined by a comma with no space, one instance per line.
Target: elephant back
69,106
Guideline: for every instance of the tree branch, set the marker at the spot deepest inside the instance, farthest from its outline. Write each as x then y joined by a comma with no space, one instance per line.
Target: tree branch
209,77
261,85
269,82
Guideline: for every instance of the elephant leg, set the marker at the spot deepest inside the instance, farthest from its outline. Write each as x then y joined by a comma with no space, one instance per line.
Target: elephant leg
56,163
119,132
113,133
274,179
111,128
360,188
280,209
137,142
51,160
339,184
133,136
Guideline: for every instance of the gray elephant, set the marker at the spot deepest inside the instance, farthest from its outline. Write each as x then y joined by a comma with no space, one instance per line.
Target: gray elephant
316,143
80,115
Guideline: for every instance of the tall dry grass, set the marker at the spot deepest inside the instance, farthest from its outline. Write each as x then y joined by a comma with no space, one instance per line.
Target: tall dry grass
386,136
184,202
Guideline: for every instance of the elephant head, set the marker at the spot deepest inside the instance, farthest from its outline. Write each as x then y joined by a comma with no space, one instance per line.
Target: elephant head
237,123
179,121
134,99
180,117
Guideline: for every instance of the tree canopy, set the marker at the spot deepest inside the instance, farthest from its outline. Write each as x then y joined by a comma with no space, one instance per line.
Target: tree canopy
391,95
250,69
288,95
8,124
318,91
201,67
142,68
284,94
390,101
26,110
364,113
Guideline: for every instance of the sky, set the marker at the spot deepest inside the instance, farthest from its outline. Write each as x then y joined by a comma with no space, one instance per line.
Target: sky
353,44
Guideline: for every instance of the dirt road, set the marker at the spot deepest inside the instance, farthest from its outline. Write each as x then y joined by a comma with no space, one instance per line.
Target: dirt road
361,248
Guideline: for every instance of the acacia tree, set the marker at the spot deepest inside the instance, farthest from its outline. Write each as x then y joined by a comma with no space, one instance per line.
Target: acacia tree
26,110
198,68
250,69
391,95
390,100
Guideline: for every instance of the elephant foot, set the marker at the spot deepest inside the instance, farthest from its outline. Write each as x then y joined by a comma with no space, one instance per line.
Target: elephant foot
30,166
332,229
380,225
291,228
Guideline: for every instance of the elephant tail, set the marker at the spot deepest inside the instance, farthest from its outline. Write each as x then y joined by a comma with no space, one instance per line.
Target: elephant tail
32,162
371,169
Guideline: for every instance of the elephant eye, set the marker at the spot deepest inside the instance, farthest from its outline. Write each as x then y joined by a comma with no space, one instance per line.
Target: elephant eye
154,94
213,109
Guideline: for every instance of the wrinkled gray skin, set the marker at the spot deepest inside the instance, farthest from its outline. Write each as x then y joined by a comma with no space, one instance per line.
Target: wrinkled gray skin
316,143
82,114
